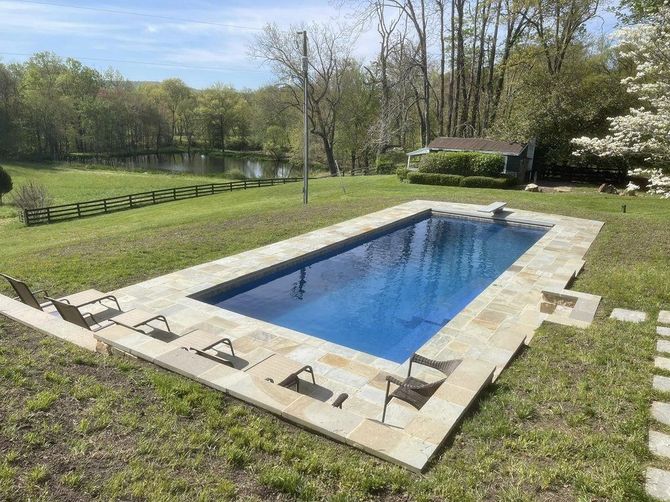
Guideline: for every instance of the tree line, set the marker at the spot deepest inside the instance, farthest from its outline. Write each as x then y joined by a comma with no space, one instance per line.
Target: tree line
506,69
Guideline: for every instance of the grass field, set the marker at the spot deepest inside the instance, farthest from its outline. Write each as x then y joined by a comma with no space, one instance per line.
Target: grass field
72,184
568,420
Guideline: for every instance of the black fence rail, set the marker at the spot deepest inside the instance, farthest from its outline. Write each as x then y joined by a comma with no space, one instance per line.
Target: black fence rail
131,201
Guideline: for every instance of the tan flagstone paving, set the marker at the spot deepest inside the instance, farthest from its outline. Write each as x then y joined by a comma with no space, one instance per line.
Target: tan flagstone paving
486,334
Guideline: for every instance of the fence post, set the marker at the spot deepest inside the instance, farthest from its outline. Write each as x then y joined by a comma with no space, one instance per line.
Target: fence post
26,218
130,201
259,183
153,197
174,193
104,203
196,190
48,215
78,210
245,184
212,188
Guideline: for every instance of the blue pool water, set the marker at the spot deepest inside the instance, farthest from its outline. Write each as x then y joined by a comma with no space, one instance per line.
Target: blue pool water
389,295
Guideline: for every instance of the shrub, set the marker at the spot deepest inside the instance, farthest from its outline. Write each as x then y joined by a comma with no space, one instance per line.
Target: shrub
487,164
402,173
385,167
463,163
487,182
5,183
452,180
32,195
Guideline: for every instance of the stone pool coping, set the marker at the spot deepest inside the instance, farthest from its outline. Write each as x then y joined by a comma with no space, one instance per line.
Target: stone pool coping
486,334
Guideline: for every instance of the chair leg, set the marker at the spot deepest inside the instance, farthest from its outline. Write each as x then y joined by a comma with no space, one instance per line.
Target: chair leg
309,370
164,320
386,400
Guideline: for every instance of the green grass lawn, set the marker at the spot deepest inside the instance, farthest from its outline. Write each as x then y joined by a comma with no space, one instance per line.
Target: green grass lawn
68,183
568,420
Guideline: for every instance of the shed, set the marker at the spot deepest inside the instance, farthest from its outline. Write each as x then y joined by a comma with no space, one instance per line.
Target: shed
518,156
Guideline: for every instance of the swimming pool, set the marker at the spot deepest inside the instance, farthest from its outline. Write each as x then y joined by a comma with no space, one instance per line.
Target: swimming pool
388,295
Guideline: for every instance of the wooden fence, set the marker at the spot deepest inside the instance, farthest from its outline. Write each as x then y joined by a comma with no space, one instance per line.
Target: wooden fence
121,203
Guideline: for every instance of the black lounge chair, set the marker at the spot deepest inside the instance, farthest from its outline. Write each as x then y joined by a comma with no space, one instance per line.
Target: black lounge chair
27,296
414,391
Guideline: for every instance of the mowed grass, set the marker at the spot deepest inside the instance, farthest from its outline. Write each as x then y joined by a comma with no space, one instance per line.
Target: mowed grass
567,420
71,183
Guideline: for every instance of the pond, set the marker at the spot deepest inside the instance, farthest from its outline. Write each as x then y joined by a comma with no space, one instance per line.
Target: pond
200,164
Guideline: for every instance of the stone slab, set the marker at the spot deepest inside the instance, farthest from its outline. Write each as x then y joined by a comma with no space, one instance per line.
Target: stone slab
664,317
661,383
626,315
659,444
663,346
661,412
266,395
391,444
185,363
46,323
662,363
322,417
657,483
662,331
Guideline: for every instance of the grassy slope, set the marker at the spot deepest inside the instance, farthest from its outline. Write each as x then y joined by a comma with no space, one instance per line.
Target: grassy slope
567,420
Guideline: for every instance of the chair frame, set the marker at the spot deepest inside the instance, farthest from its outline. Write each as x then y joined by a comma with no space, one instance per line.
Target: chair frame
72,314
293,378
414,391
26,296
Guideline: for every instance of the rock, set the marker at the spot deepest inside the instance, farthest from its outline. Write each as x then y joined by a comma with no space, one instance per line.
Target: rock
532,187
607,188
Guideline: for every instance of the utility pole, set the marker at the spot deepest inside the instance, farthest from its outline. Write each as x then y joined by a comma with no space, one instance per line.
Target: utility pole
305,67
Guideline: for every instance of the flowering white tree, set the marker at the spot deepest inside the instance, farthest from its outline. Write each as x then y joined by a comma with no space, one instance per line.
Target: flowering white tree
644,131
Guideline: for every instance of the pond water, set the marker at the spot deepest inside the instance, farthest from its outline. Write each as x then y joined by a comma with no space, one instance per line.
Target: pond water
202,165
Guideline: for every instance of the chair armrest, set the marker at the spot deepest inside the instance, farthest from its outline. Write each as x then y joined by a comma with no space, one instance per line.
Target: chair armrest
397,381
340,399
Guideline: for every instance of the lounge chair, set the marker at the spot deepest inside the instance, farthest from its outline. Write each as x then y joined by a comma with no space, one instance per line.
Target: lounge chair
71,313
414,391
27,296
203,352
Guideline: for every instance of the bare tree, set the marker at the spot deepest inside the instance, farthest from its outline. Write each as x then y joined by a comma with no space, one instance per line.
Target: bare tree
329,48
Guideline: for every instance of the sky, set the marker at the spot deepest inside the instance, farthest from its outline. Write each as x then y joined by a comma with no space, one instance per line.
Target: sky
201,42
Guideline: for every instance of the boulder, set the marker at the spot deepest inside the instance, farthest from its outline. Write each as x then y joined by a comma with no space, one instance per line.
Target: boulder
607,188
532,187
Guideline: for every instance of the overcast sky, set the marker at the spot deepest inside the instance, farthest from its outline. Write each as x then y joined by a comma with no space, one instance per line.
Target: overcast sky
172,44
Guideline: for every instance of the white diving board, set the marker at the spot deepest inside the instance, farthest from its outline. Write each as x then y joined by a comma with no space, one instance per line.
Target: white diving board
493,208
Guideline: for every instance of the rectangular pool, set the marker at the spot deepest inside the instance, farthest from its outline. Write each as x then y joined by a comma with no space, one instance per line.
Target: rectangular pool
390,294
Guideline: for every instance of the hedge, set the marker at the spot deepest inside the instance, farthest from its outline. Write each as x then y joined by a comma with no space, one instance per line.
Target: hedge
487,182
452,180
463,163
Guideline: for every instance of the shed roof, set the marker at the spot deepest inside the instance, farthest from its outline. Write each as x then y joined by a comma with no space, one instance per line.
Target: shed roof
477,145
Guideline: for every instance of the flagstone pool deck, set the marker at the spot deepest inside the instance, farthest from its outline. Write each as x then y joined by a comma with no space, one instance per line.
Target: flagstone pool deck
486,334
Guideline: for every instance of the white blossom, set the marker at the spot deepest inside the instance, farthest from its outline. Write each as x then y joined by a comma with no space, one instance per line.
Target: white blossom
645,130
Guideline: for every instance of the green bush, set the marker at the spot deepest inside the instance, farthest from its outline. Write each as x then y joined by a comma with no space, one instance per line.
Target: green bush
487,164
5,183
462,163
487,182
385,167
402,173
418,178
